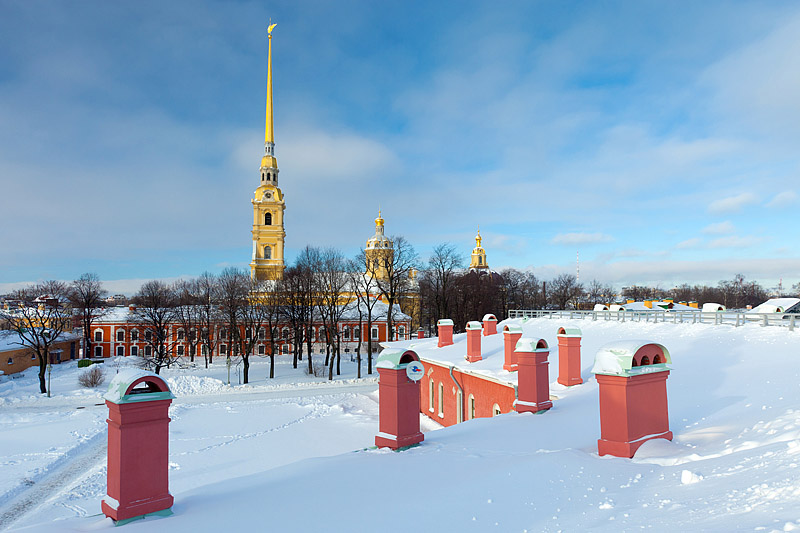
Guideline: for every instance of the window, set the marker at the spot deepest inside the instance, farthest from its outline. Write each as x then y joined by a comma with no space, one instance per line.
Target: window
268,219
98,335
375,333
480,260
248,334
430,395
223,349
134,335
33,356
134,351
346,333
285,333
181,335
98,351
284,348
120,335
275,333
262,349
495,410
203,350
267,252
72,350
356,333
441,399
180,350
401,331
148,335
223,334
262,333
471,407
459,407
148,351
10,360
120,351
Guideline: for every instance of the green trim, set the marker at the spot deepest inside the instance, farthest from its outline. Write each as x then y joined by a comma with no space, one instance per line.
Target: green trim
145,397
163,513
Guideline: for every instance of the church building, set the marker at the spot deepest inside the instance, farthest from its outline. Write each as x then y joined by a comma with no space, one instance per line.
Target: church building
268,203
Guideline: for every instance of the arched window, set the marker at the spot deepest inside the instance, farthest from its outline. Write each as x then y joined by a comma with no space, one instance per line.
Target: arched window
10,360
120,335
495,410
134,335
285,333
480,260
262,333
269,176
441,399
98,335
268,219
430,395
346,333
471,407
267,252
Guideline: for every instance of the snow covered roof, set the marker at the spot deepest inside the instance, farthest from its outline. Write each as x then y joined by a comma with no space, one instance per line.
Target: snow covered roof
119,390
10,340
778,305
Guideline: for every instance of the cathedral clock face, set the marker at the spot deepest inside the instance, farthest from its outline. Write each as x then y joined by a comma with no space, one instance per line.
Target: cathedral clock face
267,196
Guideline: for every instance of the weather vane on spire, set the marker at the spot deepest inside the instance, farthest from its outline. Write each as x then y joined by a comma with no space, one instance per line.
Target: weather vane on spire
271,27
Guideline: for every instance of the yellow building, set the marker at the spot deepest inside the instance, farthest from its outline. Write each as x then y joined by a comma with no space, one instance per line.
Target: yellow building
478,261
379,251
268,202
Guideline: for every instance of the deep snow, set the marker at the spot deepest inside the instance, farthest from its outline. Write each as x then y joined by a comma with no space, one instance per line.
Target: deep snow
303,462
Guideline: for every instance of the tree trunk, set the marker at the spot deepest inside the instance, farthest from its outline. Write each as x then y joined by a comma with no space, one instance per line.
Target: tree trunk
246,365
42,368
338,357
369,345
272,365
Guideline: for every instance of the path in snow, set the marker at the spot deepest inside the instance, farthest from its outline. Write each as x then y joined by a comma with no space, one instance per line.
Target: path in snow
68,470
55,480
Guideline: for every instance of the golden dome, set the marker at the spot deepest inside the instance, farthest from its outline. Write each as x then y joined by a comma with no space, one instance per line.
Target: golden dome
379,220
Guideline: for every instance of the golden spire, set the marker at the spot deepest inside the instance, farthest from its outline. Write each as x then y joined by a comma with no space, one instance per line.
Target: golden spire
269,133
478,238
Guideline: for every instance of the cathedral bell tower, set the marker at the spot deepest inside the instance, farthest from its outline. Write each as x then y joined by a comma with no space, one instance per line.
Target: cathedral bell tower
379,251
478,260
268,204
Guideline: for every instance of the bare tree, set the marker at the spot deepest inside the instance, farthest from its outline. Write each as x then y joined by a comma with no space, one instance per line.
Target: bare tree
189,314
565,290
155,313
86,295
440,275
296,306
234,291
208,314
332,282
39,319
365,285
396,283
306,270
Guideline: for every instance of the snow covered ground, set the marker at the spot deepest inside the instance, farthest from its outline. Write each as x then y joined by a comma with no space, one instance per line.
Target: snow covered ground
297,457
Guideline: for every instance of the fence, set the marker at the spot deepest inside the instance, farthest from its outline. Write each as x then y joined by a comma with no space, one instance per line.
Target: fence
733,318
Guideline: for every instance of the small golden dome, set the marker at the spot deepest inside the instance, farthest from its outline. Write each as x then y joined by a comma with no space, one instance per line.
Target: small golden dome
269,161
379,220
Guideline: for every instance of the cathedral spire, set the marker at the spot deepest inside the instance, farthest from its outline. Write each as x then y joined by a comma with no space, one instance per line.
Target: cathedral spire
269,132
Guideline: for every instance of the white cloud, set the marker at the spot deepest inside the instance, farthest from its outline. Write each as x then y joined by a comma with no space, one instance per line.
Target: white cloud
689,243
580,238
783,199
732,204
735,241
719,228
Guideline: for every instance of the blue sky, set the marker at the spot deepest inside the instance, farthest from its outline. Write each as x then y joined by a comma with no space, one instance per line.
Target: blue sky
657,139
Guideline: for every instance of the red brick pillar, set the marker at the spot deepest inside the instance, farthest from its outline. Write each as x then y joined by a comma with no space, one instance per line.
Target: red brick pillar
569,356
474,341
632,379
489,325
445,327
138,446
398,397
420,333
533,378
511,334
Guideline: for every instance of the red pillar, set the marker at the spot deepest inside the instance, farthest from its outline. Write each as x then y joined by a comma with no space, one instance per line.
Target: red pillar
511,334
489,325
533,378
633,396
420,333
569,356
138,446
398,401
474,341
445,327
